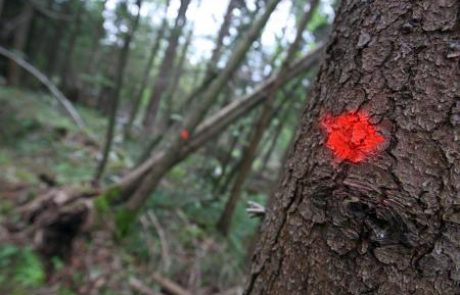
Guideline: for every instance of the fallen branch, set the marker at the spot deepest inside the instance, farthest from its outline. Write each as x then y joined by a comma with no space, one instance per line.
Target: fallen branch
169,285
138,286
66,104
214,125
240,106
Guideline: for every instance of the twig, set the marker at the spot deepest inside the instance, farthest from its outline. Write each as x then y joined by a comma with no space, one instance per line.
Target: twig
163,241
146,224
70,109
140,287
169,285
255,209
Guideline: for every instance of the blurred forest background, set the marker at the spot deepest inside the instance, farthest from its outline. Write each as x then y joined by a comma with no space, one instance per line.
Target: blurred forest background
172,116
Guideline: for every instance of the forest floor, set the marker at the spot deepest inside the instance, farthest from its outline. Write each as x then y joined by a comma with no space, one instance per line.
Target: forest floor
174,238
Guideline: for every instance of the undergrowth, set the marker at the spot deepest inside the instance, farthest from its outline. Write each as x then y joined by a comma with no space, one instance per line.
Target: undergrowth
175,234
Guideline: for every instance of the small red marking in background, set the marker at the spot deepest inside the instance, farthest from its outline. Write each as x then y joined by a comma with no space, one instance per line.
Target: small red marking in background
351,136
185,134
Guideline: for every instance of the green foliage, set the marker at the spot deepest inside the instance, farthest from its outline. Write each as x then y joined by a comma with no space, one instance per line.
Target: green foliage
37,136
124,220
102,203
66,291
177,173
21,267
318,20
29,271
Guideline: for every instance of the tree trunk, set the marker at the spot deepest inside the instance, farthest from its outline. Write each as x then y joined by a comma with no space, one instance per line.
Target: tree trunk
223,32
164,75
249,154
2,2
260,125
212,127
54,52
19,43
176,78
172,155
273,140
95,42
226,160
68,63
145,77
123,60
387,224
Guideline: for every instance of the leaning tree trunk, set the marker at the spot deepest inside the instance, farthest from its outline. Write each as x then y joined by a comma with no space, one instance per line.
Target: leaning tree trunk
173,155
382,223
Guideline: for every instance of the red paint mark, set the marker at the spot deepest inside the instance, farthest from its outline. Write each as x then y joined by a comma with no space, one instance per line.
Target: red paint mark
185,134
351,136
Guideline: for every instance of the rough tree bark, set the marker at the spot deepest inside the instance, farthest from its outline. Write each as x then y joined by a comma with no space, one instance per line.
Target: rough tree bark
388,225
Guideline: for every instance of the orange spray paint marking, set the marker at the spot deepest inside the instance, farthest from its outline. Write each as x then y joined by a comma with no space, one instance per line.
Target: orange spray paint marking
185,134
351,136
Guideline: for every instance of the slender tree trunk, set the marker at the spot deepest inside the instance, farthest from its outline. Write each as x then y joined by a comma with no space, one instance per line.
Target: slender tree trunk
273,141
2,2
123,60
223,32
227,159
178,72
67,65
239,107
145,77
54,52
214,125
387,224
260,125
95,43
164,76
172,156
19,43
249,154
276,134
